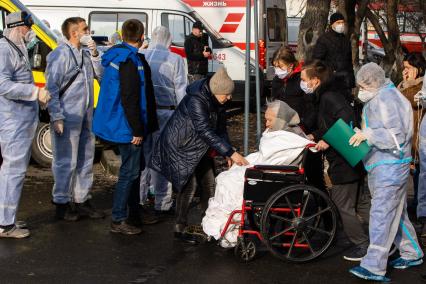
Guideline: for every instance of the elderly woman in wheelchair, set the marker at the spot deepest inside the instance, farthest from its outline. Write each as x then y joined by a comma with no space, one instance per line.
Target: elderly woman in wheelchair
270,200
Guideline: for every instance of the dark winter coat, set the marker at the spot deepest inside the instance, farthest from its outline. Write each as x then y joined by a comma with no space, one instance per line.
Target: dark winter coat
197,63
332,106
199,123
288,90
335,49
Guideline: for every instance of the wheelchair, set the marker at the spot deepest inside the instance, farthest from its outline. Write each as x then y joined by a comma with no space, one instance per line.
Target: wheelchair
284,210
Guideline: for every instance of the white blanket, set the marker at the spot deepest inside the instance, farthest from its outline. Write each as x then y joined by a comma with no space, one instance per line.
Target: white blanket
276,148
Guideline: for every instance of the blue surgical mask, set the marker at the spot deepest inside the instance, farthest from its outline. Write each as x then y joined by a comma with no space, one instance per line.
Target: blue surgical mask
305,88
281,73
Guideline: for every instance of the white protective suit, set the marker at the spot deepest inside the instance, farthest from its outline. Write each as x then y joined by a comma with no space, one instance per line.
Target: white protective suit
170,80
276,148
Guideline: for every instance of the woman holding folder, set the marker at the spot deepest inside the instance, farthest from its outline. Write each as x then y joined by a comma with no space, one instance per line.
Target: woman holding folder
330,101
388,128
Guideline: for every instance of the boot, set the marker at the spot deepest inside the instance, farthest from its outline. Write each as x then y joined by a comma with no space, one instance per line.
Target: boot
66,212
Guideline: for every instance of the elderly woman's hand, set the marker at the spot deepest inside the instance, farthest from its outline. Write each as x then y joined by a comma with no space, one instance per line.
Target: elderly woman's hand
239,160
357,139
322,146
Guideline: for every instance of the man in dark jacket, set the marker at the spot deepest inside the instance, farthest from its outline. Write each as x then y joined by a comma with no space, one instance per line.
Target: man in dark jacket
334,48
125,114
189,140
197,53
332,106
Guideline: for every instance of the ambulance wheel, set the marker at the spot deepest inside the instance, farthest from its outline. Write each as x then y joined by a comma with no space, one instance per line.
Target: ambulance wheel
245,250
41,148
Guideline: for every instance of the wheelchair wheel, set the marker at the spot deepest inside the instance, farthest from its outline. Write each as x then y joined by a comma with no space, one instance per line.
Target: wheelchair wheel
245,250
298,223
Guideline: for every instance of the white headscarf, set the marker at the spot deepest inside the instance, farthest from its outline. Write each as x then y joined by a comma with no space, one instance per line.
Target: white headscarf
160,36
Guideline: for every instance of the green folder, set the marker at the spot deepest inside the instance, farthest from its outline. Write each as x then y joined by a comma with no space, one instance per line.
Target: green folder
338,137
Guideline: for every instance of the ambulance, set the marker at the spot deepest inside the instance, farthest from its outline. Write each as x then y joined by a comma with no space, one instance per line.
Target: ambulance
228,17
106,17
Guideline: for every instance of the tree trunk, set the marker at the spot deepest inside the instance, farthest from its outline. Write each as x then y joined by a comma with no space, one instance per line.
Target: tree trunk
389,58
356,34
394,39
313,25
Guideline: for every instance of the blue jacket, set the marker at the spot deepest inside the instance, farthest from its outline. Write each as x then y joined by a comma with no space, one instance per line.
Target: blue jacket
110,122
199,123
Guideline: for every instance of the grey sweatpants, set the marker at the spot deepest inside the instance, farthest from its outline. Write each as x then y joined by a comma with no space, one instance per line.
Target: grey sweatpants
344,196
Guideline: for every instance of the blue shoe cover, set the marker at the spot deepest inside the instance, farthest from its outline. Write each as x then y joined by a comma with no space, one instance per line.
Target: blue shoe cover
401,263
363,273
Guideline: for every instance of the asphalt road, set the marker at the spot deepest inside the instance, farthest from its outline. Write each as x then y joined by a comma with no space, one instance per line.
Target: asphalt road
86,252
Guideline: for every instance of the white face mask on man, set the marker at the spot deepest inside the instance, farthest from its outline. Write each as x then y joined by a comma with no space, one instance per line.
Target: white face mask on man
340,28
85,39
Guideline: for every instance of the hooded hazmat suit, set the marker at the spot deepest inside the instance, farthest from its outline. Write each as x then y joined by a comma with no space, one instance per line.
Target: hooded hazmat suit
73,151
388,127
170,81
18,119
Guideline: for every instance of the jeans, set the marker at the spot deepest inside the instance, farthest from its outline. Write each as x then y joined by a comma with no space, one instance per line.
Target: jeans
204,178
126,194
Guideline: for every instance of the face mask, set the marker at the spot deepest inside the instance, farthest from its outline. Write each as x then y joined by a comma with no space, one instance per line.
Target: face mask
305,88
364,95
29,36
339,28
85,39
281,73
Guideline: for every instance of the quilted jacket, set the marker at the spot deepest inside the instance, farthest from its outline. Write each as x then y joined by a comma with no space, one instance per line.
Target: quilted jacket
197,125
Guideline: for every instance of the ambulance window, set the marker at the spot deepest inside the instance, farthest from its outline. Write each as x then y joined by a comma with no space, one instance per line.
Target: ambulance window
122,17
103,24
106,24
276,24
179,26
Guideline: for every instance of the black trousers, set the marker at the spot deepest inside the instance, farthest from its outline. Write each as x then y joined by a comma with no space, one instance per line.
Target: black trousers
204,178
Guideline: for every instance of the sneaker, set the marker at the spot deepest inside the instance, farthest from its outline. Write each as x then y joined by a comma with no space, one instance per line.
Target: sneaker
66,212
356,254
13,232
401,263
124,228
363,273
87,209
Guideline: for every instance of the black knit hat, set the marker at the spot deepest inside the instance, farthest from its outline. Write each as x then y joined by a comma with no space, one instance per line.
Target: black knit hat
336,17
198,25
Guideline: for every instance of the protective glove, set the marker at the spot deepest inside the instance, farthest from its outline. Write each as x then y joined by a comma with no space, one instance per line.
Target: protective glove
58,126
43,98
93,48
357,139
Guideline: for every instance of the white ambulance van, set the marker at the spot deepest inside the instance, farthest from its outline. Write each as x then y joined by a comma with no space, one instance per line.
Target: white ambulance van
105,17
229,18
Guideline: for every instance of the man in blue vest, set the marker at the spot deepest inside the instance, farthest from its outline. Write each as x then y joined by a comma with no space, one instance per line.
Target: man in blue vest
125,114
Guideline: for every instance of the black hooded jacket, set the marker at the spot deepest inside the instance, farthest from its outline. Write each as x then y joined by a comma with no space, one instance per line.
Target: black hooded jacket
331,106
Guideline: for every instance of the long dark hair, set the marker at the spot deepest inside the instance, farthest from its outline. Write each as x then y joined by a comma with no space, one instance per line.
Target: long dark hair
318,69
417,60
